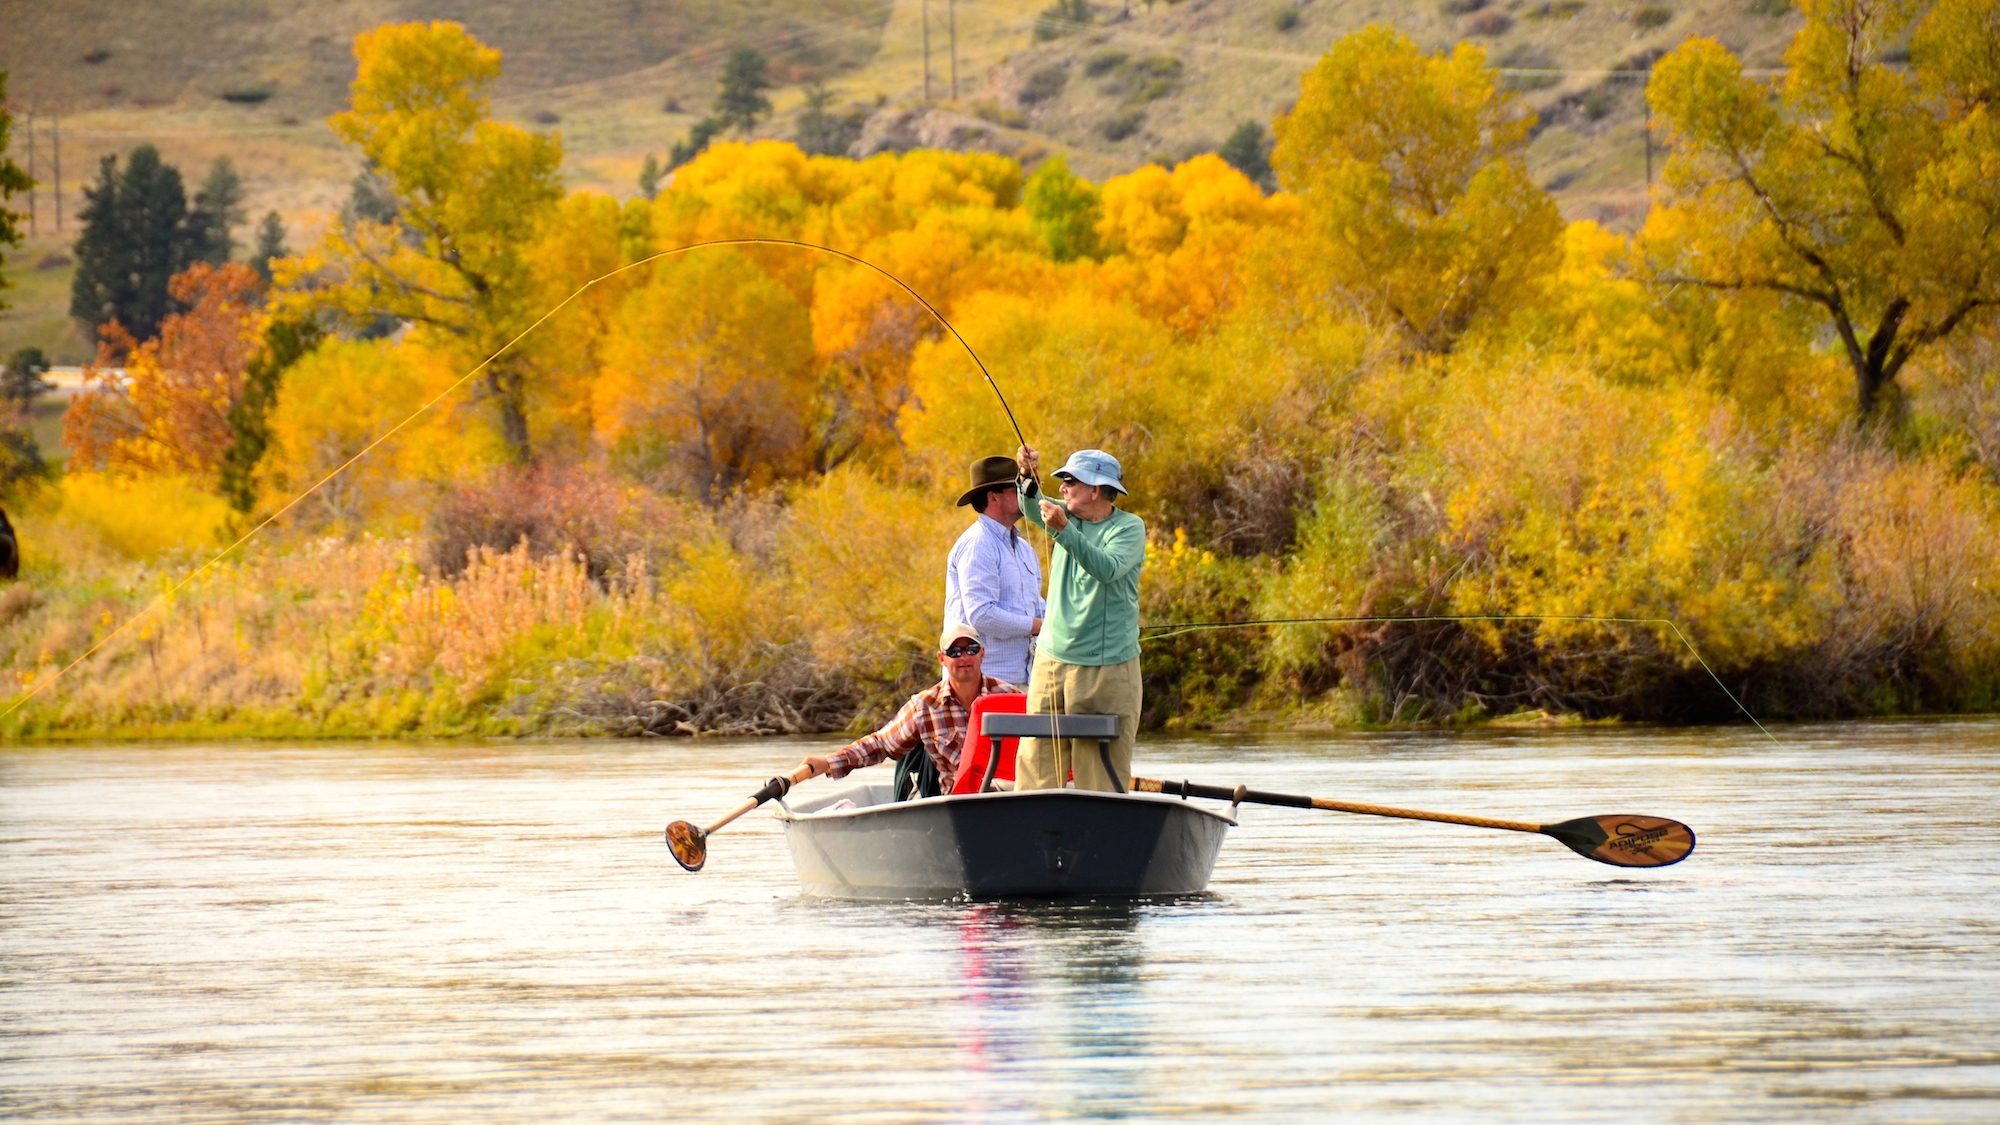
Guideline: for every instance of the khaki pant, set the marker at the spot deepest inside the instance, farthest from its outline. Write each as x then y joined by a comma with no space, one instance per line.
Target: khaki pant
1077,689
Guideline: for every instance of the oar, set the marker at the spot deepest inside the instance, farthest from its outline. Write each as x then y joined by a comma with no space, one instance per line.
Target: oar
690,844
1622,840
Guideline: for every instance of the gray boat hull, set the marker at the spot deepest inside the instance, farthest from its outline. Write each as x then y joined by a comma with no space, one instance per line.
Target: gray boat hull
1048,843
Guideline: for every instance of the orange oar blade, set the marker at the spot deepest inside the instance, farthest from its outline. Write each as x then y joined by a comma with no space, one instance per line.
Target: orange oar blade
689,844
1625,840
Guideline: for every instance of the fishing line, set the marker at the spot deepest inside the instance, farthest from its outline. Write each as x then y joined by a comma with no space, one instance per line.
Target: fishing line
1179,628
165,596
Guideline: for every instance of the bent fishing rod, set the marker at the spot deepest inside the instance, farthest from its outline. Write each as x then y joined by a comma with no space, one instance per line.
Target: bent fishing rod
168,595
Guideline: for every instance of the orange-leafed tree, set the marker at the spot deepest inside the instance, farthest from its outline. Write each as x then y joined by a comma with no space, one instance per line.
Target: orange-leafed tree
169,413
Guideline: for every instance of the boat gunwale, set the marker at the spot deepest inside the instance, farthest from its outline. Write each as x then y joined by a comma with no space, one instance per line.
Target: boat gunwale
785,812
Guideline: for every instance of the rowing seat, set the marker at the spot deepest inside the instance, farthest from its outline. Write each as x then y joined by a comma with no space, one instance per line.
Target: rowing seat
1001,727
979,749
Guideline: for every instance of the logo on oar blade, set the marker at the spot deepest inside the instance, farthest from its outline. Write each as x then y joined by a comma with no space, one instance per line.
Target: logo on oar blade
1624,840
690,844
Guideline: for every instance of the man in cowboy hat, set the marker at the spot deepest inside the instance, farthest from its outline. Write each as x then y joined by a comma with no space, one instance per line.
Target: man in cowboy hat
993,579
1088,660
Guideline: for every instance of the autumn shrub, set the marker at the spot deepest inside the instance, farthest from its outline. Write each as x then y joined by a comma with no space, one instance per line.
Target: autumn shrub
601,518
139,517
1195,676
1521,464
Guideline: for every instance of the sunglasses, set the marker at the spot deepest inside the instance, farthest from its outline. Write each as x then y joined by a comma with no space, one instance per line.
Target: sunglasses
969,648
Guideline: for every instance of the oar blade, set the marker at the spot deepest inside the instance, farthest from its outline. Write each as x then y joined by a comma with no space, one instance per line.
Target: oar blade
1625,839
689,844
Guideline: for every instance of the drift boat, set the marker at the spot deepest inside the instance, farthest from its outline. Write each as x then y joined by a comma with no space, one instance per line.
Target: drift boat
860,842
981,841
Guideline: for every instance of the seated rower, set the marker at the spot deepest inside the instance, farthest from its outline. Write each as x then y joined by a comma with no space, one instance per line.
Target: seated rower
935,719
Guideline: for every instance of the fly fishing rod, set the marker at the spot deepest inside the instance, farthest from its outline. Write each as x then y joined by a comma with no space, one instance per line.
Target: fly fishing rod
168,595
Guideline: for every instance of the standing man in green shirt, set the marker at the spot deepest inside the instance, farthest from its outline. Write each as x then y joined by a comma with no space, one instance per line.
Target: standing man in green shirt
1088,659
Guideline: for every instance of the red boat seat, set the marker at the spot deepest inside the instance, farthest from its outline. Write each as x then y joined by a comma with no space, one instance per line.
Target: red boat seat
972,759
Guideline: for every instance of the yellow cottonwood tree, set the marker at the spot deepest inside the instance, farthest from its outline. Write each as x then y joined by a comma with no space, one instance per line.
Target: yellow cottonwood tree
1868,191
470,193
704,376
1412,164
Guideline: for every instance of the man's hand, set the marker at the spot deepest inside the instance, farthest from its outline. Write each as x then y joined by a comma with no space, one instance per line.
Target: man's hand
1035,630
1054,516
1031,461
817,763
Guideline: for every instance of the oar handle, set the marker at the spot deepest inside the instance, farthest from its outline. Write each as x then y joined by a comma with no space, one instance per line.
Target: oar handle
1297,801
776,787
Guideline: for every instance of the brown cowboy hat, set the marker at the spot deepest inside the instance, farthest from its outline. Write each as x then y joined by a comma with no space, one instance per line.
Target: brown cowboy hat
989,473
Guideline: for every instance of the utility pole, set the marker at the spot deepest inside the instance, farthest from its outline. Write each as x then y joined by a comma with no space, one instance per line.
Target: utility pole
56,139
951,22
927,51
33,230
1649,145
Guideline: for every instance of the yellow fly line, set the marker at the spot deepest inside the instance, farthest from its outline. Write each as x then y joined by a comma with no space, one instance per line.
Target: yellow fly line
1175,629
167,595
1165,632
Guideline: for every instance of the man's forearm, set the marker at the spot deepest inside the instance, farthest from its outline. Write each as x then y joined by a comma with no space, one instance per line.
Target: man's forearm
1125,551
999,624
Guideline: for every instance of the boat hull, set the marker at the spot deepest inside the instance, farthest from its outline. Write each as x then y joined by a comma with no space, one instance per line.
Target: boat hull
1047,843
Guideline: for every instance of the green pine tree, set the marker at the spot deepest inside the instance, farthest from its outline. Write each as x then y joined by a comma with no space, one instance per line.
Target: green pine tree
135,237
21,382
270,244
13,181
740,102
1249,152
821,132
218,209
649,176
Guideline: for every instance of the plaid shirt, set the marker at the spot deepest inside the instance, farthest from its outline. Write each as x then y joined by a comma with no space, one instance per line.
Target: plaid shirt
933,719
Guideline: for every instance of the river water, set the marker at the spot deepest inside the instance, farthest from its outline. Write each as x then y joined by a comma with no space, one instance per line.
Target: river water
381,932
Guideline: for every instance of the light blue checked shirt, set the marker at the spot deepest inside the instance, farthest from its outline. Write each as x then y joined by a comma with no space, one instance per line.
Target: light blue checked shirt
994,584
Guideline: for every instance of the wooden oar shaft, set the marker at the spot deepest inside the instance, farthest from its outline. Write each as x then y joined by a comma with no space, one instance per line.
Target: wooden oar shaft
1298,801
776,787
1420,814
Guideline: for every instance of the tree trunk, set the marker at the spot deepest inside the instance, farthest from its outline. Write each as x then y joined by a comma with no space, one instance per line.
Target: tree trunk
1875,365
505,386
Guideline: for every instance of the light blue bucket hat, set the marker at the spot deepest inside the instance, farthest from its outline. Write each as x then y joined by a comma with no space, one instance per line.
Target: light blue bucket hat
1094,466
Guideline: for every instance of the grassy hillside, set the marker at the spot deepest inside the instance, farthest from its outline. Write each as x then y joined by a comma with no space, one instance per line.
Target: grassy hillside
620,79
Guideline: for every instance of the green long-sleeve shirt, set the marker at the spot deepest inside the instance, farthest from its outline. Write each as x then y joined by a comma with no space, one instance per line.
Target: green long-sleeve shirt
1093,617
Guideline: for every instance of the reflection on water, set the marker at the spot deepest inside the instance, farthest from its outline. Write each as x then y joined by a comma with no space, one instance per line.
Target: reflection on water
420,933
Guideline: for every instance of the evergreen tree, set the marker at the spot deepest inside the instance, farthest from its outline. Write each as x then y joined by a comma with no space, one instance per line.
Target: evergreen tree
12,182
218,208
21,383
20,459
135,237
1249,152
824,133
740,102
286,341
697,140
270,244
649,176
